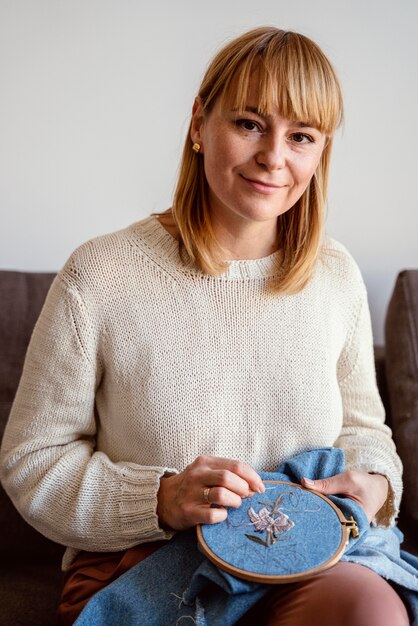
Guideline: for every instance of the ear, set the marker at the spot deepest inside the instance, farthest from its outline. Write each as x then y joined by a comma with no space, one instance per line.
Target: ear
197,122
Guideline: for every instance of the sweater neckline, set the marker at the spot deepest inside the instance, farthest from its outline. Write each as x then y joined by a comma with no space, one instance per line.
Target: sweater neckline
164,248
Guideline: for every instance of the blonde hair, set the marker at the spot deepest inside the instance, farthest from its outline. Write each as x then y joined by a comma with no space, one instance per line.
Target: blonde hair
296,77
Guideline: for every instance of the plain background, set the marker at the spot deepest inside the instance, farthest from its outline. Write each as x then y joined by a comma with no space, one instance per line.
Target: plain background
95,100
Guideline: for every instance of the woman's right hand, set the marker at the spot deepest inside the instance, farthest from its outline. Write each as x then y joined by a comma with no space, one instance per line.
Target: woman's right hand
186,499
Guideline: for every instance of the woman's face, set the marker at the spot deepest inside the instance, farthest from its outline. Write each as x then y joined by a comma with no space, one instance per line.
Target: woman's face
257,167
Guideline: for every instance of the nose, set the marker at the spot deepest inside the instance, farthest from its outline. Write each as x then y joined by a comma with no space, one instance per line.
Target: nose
272,153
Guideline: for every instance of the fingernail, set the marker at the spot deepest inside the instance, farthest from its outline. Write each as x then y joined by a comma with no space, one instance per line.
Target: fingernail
309,482
261,489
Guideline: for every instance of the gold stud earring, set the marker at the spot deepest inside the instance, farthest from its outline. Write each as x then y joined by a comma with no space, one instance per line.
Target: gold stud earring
196,147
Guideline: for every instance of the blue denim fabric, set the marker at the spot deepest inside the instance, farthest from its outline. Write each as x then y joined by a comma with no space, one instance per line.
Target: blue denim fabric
177,584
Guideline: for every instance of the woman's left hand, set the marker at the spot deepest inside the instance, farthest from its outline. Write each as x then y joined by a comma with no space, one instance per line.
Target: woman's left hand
368,490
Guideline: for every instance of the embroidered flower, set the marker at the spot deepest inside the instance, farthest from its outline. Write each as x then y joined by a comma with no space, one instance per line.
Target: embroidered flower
273,522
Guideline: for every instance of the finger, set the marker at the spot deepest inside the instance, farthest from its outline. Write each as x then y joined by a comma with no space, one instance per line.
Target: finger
340,483
223,497
240,469
226,479
207,515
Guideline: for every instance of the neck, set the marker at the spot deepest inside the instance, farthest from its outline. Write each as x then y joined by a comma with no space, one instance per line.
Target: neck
244,239
238,239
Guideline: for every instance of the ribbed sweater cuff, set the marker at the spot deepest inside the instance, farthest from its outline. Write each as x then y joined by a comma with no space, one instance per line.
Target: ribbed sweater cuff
138,504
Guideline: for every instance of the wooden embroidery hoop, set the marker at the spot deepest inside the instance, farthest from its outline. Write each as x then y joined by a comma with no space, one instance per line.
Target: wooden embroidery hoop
348,527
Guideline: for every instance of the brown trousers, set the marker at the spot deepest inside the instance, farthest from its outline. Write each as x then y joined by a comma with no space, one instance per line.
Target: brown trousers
345,595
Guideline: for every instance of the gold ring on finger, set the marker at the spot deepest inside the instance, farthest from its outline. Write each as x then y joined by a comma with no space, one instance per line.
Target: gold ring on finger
206,492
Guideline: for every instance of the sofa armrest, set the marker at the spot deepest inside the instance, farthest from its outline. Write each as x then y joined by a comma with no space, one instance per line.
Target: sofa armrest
401,330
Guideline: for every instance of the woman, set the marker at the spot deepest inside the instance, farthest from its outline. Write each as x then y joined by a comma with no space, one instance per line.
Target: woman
177,358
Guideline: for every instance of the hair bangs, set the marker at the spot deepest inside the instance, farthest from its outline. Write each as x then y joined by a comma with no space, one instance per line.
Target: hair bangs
292,76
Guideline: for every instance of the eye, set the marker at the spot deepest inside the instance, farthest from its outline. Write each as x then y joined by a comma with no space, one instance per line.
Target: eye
248,125
302,138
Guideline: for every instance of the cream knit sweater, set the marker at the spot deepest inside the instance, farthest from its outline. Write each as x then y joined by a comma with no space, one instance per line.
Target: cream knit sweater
139,363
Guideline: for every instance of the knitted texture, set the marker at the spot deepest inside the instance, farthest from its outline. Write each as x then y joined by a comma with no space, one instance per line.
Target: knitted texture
139,363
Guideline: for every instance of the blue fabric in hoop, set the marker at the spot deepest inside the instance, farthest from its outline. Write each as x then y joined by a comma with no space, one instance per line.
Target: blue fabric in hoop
286,531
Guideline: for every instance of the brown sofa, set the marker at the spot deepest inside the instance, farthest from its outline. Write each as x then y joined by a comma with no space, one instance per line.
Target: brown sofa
30,575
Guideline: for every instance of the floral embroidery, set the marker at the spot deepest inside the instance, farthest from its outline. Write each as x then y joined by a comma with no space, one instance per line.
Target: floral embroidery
271,520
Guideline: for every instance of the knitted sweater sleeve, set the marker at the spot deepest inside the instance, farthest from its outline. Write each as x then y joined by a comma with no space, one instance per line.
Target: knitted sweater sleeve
63,487
365,438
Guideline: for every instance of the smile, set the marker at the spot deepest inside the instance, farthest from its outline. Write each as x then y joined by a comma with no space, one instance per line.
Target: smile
261,186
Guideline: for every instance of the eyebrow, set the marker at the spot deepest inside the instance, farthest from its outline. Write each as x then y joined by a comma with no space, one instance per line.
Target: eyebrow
255,110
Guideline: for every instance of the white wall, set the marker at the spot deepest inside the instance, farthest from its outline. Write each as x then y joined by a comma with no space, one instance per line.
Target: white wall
95,98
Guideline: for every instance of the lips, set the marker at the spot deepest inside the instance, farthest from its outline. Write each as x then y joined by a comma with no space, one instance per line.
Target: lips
261,185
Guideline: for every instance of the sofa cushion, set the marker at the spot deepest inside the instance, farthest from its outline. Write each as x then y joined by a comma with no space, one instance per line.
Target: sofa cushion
22,295
29,593
380,365
401,331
